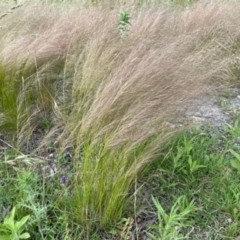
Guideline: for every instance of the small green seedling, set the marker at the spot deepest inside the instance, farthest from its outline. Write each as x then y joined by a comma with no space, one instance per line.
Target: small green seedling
193,165
123,22
11,230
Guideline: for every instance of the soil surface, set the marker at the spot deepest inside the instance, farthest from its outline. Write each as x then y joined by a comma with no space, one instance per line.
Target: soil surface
216,112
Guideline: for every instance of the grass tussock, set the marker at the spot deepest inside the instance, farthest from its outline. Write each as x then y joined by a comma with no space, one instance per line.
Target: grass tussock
113,98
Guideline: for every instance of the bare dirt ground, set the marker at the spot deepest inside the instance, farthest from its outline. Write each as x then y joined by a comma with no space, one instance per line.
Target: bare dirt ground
215,111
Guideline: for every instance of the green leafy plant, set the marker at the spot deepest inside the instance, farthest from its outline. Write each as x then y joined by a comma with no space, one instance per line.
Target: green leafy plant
193,165
123,22
183,159
170,225
13,230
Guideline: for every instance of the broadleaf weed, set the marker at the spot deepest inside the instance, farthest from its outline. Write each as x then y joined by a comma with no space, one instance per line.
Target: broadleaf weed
13,230
170,225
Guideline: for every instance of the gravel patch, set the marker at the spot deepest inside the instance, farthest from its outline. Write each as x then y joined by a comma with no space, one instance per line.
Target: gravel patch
214,112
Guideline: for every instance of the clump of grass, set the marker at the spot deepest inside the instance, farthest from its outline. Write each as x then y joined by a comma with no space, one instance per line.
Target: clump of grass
116,102
118,126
